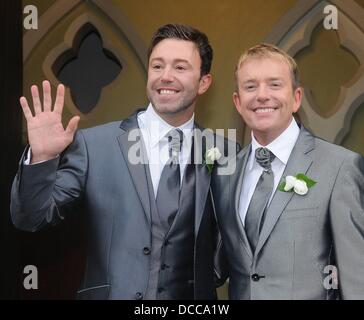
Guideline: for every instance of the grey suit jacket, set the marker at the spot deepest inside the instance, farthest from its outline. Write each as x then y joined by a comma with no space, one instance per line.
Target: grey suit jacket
94,172
301,235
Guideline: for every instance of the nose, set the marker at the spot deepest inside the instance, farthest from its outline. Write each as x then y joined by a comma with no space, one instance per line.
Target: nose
262,94
167,75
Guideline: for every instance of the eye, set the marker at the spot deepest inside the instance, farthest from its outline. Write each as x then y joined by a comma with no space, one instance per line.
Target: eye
275,85
249,87
180,67
156,67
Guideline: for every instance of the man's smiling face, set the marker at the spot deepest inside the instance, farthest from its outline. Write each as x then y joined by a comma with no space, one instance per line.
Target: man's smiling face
266,99
174,77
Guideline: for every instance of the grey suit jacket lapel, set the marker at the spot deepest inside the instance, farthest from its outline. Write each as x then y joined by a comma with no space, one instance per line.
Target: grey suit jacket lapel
203,178
138,171
236,183
299,162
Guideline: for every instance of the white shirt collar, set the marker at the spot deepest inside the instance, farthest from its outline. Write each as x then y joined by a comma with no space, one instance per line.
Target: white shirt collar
158,128
282,146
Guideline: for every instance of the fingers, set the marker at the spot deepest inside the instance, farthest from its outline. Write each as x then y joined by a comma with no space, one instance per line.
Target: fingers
58,105
72,125
47,98
26,109
36,101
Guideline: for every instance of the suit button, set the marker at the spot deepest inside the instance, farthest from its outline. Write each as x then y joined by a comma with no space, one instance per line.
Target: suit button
255,277
164,266
146,250
138,296
167,242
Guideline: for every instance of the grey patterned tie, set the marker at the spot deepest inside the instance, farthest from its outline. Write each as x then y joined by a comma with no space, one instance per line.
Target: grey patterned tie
258,204
169,184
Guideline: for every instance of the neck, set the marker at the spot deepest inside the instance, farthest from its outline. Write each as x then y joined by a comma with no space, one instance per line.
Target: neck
266,137
177,119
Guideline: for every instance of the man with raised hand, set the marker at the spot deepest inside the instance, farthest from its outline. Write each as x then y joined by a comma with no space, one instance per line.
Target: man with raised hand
152,232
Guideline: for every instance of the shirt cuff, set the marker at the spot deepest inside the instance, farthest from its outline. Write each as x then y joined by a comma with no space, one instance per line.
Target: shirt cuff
28,158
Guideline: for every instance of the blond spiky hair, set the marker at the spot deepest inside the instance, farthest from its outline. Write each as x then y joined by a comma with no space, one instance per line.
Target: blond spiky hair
265,50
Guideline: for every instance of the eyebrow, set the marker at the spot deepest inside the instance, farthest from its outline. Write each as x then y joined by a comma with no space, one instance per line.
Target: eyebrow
174,61
275,79
269,79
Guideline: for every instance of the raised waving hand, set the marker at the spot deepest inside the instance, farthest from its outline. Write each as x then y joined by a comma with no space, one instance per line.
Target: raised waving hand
46,134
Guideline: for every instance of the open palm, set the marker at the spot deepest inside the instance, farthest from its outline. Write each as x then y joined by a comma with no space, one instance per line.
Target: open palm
46,134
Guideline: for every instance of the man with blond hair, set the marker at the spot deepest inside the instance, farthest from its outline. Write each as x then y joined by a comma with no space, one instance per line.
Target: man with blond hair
292,214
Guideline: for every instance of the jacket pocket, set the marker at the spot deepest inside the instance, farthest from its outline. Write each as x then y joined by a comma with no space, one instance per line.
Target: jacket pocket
299,213
94,293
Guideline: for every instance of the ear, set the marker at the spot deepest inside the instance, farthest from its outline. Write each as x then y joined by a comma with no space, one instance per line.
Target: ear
205,83
297,97
236,100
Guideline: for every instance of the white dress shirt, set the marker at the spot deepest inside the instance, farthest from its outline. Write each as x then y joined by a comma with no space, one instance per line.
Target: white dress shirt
154,130
281,147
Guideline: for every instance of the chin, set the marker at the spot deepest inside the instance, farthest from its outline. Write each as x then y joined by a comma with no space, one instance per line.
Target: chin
263,127
166,109
171,110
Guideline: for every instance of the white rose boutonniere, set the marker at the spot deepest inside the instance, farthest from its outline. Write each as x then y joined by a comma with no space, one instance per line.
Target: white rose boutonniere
212,155
298,184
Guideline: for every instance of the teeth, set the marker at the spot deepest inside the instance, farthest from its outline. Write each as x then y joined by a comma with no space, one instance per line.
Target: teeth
165,91
262,110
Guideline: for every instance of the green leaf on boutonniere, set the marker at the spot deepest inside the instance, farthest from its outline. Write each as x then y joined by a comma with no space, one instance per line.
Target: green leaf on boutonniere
310,183
210,167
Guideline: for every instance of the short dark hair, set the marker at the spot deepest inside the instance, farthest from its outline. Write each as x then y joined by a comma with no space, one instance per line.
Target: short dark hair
188,33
